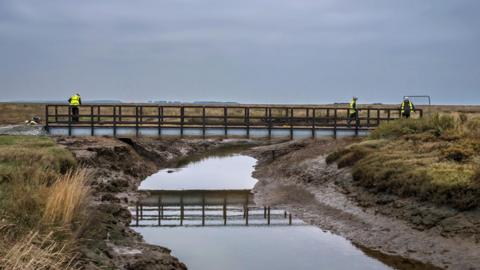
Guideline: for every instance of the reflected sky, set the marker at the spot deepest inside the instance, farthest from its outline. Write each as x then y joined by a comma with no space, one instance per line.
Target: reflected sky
234,172
239,248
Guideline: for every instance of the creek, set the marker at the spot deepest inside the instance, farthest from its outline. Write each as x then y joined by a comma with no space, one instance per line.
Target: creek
205,213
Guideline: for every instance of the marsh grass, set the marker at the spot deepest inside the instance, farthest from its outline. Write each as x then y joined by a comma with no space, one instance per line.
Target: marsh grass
433,159
36,252
66,198
42,199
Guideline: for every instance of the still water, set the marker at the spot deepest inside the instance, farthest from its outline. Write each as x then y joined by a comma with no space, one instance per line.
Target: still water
213,173
234,245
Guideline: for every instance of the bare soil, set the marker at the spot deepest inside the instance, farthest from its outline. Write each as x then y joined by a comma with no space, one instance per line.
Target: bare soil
404,233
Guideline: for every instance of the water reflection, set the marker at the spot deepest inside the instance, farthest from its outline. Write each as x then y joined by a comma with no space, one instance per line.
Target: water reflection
213,173
206,208
206,214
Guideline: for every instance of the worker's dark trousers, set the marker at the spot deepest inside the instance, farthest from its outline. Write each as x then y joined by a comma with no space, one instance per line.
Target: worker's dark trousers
75,114
353,116
406,115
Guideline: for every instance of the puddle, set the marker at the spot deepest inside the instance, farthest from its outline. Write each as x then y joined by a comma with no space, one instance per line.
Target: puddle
205,213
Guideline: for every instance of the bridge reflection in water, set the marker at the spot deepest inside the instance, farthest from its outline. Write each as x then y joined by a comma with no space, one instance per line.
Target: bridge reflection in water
206,208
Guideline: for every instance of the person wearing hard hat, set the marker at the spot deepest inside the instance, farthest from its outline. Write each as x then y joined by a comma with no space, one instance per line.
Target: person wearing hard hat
407,107
75,101
353,112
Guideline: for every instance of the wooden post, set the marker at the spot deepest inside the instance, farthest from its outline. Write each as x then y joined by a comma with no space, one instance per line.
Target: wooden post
247,121
246,216
141,212
136,121
368,117
114,121
268,215
69,120
92,132
225,120
388,115
335,122
159,210
182,118
269,123
181,210
159,121
357,122
203,209
285,214
289,219
136,215
46,117
291,123
265,212
162,118
224,211
203,122
313,123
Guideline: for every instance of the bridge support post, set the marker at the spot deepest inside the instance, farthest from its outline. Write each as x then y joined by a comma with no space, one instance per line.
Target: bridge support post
203,210
203,123
289,219
159,210
224,211
268,215
313,123
136,215
114,121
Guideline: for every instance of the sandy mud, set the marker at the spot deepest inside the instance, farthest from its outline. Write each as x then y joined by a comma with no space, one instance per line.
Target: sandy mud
404,233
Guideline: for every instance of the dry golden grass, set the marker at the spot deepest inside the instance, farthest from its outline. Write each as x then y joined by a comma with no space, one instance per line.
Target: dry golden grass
67,196
37,252
42,199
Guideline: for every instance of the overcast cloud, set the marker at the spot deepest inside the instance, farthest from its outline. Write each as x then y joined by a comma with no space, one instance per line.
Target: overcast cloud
253,51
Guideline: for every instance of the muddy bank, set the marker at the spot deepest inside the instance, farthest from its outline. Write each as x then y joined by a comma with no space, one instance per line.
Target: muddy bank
295,175
117,166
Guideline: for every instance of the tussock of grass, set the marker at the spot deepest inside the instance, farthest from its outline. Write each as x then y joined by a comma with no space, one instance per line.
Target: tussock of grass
66,198
41,198
433,159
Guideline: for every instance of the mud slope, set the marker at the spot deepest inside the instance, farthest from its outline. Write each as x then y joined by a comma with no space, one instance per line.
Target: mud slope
117,167
296,176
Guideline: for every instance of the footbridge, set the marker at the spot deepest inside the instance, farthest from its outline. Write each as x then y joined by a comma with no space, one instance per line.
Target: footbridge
205,121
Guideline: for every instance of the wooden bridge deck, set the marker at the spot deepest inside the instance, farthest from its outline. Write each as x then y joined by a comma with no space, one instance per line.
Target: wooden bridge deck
197,120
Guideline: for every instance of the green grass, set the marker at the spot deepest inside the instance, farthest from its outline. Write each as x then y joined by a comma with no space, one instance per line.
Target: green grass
434,159
32,172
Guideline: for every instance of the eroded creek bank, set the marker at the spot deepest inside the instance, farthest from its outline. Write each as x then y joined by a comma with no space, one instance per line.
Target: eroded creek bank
117,167
292,175
413,234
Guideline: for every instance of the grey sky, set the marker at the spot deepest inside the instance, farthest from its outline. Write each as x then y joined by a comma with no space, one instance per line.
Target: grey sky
254,51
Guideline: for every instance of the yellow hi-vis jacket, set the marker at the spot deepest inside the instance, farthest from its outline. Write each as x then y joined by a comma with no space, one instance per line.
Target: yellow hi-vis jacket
74,100
353,106
410,107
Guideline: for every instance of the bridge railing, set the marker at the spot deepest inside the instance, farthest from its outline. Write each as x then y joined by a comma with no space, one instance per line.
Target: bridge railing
227,117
